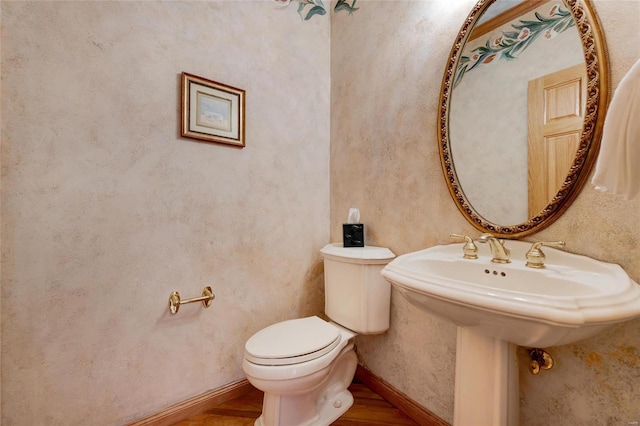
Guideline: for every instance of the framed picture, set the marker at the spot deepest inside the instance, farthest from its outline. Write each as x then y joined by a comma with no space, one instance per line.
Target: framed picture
211,111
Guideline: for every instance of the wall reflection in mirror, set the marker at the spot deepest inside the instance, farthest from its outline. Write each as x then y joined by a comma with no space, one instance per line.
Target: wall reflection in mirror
491,157
516,111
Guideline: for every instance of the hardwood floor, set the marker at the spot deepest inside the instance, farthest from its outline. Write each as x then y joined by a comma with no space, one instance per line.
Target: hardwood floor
368,409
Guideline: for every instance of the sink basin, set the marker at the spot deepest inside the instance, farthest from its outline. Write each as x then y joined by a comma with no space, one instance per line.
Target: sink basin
574,297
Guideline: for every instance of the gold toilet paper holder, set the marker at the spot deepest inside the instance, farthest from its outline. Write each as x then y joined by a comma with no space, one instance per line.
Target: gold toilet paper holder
175,301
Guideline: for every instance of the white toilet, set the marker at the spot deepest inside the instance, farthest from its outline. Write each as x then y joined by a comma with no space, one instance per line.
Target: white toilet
305,365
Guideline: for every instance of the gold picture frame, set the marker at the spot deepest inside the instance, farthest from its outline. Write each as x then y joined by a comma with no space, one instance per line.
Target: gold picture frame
212,111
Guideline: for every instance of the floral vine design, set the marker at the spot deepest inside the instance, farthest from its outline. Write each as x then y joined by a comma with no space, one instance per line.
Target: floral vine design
510,44
307,9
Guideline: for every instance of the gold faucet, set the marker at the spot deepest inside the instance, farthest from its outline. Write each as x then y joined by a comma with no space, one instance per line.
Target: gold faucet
499,252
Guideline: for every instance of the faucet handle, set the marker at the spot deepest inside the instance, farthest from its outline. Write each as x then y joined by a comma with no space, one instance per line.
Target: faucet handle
470,250
535,256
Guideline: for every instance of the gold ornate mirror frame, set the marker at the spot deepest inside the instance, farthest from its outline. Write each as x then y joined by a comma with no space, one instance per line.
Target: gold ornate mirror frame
595,55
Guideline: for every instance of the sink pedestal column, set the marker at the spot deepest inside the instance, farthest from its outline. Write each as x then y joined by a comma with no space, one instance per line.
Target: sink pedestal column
486,392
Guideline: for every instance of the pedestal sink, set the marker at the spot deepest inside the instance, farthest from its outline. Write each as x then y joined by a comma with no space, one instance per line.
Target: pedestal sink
498,306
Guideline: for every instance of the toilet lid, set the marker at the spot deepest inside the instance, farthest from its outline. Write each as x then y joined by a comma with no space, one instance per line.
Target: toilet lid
292,342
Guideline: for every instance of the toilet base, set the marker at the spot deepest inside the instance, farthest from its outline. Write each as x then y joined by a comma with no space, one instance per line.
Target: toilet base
328,411
339,404
320,405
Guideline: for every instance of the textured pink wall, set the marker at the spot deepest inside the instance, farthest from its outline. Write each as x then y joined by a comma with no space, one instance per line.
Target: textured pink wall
106,210
384,160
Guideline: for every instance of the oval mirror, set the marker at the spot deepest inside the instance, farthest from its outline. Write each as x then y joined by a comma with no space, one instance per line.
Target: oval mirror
522,105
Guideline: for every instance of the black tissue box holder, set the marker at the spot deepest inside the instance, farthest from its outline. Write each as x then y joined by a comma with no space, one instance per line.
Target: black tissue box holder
353,235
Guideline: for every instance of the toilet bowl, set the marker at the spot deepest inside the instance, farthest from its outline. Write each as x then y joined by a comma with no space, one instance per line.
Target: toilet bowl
304,366
303,385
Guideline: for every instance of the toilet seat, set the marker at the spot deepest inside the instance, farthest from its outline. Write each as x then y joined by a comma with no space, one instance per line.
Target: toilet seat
292,342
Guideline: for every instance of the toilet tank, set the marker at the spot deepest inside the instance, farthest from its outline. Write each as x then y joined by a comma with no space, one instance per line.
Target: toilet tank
356,295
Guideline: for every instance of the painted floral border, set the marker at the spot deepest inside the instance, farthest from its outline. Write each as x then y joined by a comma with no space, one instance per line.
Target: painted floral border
510,44
307,9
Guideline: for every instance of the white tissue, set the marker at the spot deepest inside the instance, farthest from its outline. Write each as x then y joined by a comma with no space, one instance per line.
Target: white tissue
354,216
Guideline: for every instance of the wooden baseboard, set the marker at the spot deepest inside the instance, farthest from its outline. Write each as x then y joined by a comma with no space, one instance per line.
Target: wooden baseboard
401,401
196,405
208,400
